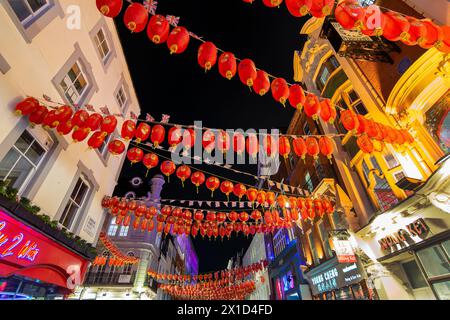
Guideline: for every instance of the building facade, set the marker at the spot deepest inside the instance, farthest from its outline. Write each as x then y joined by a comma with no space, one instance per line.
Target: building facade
69,52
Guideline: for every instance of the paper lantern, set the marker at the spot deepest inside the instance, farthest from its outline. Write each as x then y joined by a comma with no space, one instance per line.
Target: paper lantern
270,198
50,120
238,143
247,72
365,144
312,106
443,44
109,8
175,136
261,84
96,140
432,36
299,146
327,111
284,147
239,190
158,29
297,96
312,147
326,147
128,129
157,135
188,138
207,55
272,3
270,145
223,142
417,32
280,90
116,147
396,26
252,193
80,134
252,145
136,17
298,8
150,161
361,124
256,215
38,115
142,132
226,187
183,173
178,40
198,178
108,125
135,155
318,208
373,22
64,114
350,15
261,197
79,119
212,183
321,8
167,168
408,137
349,120
65,128
227,65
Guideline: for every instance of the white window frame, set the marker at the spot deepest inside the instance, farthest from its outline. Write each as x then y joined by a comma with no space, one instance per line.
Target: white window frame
104,56
33,14
70,84
122,104
124,231
113,228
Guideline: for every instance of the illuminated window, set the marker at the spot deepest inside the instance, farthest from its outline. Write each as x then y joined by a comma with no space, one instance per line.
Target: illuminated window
327,68
26,10
113,227
74,83
124,231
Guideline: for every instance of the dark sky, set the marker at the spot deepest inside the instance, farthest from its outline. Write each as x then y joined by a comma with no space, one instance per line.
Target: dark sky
178,86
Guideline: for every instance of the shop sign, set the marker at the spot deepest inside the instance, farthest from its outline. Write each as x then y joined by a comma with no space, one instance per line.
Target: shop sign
403,237
124,278
14,244
344,251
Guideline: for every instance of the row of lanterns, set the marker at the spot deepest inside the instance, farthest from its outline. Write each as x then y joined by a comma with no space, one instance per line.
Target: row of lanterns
117,258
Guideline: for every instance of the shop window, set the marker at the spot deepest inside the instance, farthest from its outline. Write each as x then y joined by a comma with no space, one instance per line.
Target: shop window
74,83
434,261
103,149
446,246
325,240
414,274
308,182
113,227
391,160
437,122
75,202
22,161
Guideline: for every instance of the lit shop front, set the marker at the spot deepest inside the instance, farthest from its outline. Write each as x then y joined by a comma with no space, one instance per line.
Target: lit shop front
332,280
33,263
409,245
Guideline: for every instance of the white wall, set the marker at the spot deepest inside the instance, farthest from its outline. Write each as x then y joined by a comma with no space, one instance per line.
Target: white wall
255,253
32,67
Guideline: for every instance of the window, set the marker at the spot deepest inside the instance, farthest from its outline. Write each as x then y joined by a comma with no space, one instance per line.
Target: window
366,3
102,45
306,129
75,203
437,122
128,267
327,68
124,231
391,160
434,261
22,161
25,10
113,227
353,96
312,247
103,149
121,97
414,275
308,182
360,108
325,239
74,83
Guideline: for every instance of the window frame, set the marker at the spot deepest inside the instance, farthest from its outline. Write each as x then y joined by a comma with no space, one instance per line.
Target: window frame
33,14
112,225
123,85
103,25
72,84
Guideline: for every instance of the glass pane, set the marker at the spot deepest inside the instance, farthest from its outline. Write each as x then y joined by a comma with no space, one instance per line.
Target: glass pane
81,193
437,122
36,4
80,84
24,141
69,215
20,173
20,9
446,245
414,275
8,162
77,187
360,108
35,153
105,48
100,36
442,290
434,261
73,72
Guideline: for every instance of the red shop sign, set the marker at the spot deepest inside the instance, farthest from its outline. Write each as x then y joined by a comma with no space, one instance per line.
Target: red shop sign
27,252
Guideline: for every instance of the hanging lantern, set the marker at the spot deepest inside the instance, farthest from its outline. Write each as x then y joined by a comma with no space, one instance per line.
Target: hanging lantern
227,187
221,217
432,36
252,193
312,147
350,15
94,121
108,125
416,33
256,215
150,161
178,40
268,218
79,119
272,3
158,29
326,147
270,198
299,146
270,146
136,17
50,121
80,134
223,142
63,114
252,145
280,90
327,111
378,146
318,208
96,140
261,84
157,135
65,127
128,129
284,147
135,155
243,217
396,26
239,190
408,137
167,168
198,178
175,136
312,106
227,65
238,143
247,72
233,216
261,198
298,8
362,124
212,183
207,55
321,8
373,22
188,138
109,8
349,120
198,216
183,173
370,128
142,132
297,96
443,44
365,144
116,147
208,140
38,115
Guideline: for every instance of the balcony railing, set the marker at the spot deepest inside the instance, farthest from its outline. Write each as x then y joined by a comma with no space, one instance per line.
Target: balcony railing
109,278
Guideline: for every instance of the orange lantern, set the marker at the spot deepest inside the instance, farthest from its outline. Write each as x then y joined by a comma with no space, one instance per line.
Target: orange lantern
136,17
208,140
326,147
362,124
270,198
252,194
284,146
150,161
350,15
443,44
312,147
227,65
183,173
223,142
158,29
269,145
128,129
238,143
239,190
312,106
321,8
116,147
297,96
433,35
396,26
318,208
378,146
280,90
299,146
298,8
262,83
349,120
198,178
135,155
227,187
207,55
157,135
96,140
365,144
272,3
109,8
417,32
142,132
212,183
327,111
373,22
252,145
247,72
188,138
167,168
178,40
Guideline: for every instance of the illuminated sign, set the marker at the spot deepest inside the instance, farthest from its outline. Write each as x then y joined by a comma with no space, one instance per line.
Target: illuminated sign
16,244
344,251
403,237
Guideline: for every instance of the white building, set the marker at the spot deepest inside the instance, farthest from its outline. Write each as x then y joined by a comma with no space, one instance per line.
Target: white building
68,51
254,254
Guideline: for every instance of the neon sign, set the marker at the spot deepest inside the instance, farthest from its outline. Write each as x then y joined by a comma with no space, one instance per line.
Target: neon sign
16,245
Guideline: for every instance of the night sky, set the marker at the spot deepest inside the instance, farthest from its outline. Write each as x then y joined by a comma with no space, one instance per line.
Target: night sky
176,85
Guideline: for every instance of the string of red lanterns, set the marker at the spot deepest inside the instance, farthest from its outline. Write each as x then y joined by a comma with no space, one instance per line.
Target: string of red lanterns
117,259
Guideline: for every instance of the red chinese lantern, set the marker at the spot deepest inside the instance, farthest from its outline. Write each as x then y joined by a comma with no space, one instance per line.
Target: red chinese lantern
396,26
198,216
94,121
239,190
256,215
175,136
327,111
227,65
272,3
296,96
443,44
178,40
298,8
183,173
212,183
280,90
136,17
261,197
198,178
252,145
150,161
65,127
80,134
373,22
243,217
284,146
318,208
233,216
79,119
207,55
262,83
247,72
326,147
312,147
299,146
433,35
365,144
321,8
226,187
38,115
27,106
50,120
208,140
135,155
158,29
108,125
188,138
269,145
157,135
270,198
350,15
362,124
142,132
223,142
128,129
63,114
312,106
417,32
109,8
252,194
408,137
167,168
96,140
349,120
116,147
221,217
